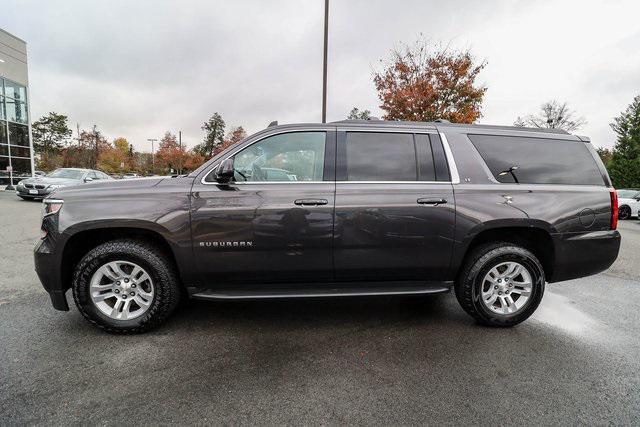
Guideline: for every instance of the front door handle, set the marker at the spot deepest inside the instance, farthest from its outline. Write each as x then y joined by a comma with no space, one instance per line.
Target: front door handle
434,202
310,202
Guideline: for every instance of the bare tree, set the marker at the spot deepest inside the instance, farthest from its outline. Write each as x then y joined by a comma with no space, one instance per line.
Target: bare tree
553,115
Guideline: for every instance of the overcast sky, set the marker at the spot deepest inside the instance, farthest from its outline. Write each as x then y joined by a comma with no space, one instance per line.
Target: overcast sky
139,68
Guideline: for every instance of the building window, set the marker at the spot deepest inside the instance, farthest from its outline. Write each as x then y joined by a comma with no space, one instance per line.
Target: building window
3,132
18,134
14,130
16,111
15,91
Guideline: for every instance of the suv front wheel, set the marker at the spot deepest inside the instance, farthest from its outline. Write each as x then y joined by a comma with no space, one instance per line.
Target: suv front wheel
501,284
125,286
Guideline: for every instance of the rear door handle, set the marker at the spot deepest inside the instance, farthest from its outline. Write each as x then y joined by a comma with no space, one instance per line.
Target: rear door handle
429,201
310,202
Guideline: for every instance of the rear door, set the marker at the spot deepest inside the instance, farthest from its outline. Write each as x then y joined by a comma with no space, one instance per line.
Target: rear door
395,208
274,222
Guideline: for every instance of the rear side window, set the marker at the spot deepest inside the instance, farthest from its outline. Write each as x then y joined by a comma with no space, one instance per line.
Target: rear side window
382,156
388,156
538,160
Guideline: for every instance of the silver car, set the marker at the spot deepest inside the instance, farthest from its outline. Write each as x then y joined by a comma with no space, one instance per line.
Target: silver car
40,187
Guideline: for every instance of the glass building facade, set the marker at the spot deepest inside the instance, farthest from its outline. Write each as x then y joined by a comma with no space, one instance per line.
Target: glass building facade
15,149
15,129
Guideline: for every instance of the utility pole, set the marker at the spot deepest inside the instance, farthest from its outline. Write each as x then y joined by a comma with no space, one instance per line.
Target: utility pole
324,62
180,152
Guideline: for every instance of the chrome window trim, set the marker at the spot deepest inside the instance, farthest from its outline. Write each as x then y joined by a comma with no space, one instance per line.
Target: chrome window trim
453,169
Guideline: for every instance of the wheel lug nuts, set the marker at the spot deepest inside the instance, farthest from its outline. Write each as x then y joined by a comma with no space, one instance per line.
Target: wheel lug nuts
499,280
126,280
132,293
133,285
124,296
117,291
495,287
500,293
118,283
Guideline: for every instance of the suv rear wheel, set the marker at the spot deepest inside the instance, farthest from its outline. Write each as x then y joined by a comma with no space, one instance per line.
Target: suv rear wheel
125,286
501,284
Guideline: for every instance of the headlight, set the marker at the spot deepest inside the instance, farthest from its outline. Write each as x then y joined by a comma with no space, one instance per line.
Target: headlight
51,206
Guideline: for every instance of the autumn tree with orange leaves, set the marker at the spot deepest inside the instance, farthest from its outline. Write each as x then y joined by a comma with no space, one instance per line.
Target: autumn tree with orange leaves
234,136
171,157
425,82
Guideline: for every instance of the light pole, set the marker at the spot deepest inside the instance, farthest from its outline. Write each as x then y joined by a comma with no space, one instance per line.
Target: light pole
324,62
153,160
180,152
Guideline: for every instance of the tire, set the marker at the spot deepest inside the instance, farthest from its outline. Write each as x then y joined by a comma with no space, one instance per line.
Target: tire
165,288
624,212
472,281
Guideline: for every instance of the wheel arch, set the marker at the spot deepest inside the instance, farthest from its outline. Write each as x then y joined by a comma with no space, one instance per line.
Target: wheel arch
535,236
80,241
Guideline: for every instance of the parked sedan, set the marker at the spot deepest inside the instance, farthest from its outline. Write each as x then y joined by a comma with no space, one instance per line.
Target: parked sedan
629,203
40,187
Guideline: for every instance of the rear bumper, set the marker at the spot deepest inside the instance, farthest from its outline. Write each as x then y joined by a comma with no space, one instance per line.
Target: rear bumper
584,254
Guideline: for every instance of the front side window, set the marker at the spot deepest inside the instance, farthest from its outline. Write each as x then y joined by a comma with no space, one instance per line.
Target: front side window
538,160
380,156
296,156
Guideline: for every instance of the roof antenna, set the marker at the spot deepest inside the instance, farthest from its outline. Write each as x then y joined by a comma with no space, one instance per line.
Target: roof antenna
273,123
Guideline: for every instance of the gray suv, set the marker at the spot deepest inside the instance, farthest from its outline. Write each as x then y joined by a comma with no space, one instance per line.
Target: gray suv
348,208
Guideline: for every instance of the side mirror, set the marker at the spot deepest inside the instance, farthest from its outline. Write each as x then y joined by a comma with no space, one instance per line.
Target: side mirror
225,174
88,179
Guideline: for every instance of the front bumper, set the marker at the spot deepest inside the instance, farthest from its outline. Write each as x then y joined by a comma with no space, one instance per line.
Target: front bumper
47,264
33,193
584,254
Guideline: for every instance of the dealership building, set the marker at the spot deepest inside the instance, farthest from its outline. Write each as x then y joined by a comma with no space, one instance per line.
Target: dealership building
16,148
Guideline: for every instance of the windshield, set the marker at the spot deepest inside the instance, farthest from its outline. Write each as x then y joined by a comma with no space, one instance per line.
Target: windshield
66,173
627,194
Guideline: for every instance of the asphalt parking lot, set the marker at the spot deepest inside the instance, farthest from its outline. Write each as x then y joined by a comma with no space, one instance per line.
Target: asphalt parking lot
335,361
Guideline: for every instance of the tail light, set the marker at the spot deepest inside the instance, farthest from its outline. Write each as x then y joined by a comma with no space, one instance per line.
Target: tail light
614,209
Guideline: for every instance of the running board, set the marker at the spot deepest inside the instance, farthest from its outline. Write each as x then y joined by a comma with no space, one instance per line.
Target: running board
319,291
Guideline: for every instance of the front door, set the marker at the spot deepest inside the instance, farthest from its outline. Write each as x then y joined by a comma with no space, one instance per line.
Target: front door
395,209
274,222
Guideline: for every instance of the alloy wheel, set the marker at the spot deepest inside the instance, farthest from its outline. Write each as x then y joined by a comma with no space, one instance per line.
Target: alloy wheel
121,290
506,288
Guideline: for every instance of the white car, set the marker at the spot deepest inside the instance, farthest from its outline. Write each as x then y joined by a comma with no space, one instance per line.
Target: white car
628,203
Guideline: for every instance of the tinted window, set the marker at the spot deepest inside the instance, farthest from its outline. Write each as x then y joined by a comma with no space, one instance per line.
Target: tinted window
296,156
380,156
538,160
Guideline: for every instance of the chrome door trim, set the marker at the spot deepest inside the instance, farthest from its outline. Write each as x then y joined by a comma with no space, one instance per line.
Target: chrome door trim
453,169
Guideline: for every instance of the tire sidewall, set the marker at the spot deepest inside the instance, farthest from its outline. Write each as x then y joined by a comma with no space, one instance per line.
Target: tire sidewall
506,254
96,259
